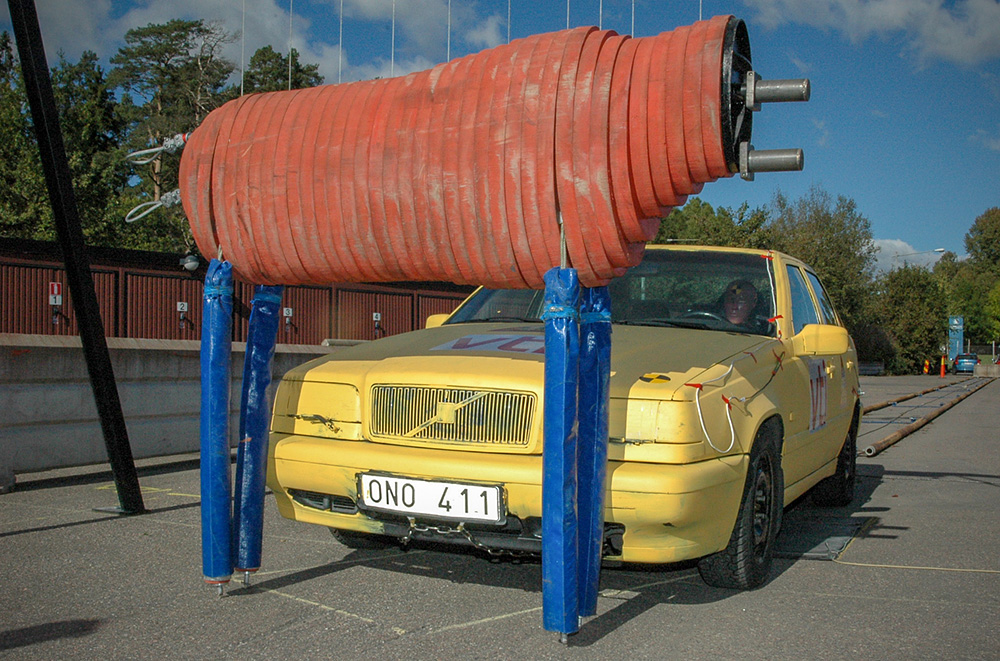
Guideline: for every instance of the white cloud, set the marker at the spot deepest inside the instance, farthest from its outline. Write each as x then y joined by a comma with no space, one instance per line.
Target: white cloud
822,132
990,141
421,29
894,253
965,32
804,67
487,33
72,27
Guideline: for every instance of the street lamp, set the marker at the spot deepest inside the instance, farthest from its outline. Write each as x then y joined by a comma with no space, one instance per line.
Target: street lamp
919,252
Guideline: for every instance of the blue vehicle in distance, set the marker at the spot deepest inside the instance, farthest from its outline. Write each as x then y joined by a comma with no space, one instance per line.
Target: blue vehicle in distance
965,363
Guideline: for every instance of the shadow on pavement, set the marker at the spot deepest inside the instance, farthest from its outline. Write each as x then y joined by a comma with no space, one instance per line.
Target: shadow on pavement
45,632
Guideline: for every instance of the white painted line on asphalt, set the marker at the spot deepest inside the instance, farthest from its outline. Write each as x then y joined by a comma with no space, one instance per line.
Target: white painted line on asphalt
473,623
338,611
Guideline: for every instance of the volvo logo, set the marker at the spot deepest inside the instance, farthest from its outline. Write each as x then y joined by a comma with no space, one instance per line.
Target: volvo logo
445,413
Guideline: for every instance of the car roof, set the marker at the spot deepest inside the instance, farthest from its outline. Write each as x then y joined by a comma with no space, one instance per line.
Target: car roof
744,251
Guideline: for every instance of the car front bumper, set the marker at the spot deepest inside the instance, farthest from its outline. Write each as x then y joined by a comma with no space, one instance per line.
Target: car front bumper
669,512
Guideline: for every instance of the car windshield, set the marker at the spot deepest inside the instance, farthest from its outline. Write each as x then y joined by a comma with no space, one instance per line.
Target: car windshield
711,290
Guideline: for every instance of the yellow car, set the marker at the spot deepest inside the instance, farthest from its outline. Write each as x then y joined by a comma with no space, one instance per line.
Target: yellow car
734,390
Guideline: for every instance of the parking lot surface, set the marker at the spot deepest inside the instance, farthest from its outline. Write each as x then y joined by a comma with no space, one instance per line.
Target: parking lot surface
909,570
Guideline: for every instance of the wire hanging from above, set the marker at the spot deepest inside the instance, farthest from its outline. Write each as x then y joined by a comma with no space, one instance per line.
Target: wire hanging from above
290,14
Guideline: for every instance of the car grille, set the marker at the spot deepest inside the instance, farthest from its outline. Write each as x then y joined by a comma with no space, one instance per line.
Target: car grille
452,415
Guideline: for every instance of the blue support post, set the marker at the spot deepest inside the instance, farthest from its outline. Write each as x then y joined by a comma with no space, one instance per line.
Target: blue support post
559,468
216,350
595,379
251,453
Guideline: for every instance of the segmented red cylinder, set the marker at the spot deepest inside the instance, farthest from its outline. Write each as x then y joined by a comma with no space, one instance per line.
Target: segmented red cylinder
459,173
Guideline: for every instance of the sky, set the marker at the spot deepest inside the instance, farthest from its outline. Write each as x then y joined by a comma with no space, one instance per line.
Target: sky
904,117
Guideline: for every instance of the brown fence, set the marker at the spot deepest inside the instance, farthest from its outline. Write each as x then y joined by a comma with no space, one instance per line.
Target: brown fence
149,295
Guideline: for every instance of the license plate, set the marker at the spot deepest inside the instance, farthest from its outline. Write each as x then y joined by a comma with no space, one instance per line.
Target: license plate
443,500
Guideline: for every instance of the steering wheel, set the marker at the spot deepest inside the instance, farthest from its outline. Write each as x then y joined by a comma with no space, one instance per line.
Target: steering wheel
706,314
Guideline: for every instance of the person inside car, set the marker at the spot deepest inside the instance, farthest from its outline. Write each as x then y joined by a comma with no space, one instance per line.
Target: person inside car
738,302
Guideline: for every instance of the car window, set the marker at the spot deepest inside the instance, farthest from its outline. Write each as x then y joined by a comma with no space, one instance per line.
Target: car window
500,305
826,310
710,290
803,309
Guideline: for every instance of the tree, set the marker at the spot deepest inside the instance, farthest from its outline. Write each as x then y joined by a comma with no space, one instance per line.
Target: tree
171,75
912,310
992,310
91,130
268,71
23,203
836,240
983,242
971,287
697,222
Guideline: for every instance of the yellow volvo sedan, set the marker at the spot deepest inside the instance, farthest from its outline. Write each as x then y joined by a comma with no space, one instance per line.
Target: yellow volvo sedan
734,391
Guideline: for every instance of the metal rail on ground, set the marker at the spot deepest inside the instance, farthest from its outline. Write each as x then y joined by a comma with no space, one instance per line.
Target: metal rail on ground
903,432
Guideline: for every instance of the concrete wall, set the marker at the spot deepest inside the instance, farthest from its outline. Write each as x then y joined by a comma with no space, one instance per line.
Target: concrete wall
987,369
47,414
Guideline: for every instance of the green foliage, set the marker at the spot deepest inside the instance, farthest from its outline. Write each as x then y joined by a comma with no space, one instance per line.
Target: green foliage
171,76
992,310
164,81
268,71
966,286
829,235
91,131
698,223
912,311
836,240
874,344
983,242
23,208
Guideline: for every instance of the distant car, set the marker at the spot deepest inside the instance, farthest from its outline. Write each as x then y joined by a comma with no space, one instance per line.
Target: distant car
965,362
734,391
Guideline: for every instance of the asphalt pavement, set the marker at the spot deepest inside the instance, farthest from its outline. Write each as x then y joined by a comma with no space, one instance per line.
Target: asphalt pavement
909,570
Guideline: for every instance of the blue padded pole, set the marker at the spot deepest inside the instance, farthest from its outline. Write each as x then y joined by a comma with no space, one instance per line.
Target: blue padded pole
251,454
559,478
216,349
595,380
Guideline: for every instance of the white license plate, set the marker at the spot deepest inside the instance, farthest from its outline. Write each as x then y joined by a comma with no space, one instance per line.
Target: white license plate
443,500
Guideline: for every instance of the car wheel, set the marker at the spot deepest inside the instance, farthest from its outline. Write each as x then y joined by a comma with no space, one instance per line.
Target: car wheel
838,489
361,540
745,563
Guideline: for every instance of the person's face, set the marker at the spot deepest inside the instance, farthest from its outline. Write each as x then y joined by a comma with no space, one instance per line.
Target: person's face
738,302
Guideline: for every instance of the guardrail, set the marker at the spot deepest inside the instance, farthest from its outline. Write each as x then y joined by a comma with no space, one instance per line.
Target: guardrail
49,418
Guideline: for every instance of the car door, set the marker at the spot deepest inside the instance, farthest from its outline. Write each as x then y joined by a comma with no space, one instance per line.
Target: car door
842,375
810,382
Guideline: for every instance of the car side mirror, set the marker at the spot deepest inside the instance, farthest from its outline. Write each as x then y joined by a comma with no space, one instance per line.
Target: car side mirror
821,340
435,320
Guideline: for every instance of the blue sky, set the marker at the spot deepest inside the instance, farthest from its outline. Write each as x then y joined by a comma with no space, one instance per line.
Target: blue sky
904,117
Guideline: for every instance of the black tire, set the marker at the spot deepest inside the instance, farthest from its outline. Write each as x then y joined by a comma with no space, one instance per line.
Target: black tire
745,563
838,489
362,541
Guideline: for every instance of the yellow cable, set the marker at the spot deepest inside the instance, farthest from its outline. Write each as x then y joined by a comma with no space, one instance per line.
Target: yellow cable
863,564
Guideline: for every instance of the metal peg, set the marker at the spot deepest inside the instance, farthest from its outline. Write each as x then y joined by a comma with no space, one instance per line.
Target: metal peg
757,90
768,160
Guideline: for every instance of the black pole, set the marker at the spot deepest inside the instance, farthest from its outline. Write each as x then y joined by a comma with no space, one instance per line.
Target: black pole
81,283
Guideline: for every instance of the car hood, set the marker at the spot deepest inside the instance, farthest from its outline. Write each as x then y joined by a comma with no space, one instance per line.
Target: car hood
646,362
